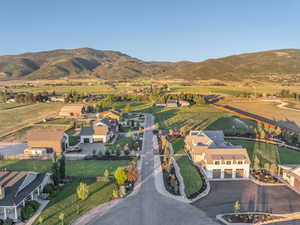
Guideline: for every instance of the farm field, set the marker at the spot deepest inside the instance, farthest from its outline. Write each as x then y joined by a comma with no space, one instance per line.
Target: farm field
73,168
196,117
7,106
269,110
67,202
22,117
286,156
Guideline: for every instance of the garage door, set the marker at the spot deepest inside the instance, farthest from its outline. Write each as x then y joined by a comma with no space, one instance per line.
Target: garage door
228,173
98,139
239,173
297,184
86,140
216,174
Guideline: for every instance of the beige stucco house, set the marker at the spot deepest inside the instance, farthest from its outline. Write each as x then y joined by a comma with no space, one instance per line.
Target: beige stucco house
219,159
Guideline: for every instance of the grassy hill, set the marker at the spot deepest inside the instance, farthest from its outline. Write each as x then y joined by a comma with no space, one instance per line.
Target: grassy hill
90,63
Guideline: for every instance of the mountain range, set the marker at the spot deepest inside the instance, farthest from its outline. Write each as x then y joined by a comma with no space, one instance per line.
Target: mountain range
113,65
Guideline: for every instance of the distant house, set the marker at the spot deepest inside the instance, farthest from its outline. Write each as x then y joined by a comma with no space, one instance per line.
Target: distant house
42,140
172,103
291,174
219,159
111,114
95,134
57,99
184,103
72,111
18,187
111,123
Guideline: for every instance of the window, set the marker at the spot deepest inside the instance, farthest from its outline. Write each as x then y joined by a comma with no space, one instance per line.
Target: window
240,162
228,162
217,162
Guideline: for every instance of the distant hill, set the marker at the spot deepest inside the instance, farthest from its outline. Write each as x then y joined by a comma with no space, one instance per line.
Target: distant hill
91,63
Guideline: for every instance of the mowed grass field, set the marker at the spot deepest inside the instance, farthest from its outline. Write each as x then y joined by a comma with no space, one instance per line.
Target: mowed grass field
17,118
287,156
67,202
73,168
191,177
204,116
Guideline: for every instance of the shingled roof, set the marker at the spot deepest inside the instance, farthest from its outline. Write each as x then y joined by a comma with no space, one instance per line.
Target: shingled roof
18,185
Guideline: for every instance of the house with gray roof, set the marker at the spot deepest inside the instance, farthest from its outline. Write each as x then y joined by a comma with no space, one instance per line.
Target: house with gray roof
218,158
17,187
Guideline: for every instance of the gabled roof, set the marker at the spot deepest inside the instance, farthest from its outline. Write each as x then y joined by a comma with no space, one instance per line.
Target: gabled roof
18,185
95,130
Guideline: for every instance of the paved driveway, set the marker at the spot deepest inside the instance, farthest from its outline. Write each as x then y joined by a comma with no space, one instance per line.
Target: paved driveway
12,148
253,197
89,148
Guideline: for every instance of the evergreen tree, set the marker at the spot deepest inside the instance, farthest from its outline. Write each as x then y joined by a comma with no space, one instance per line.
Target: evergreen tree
55,170
62,166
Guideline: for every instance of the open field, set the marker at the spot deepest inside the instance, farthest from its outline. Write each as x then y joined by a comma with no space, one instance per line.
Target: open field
269,110
73,168
67,202
7,106
22,117
191,177
286,156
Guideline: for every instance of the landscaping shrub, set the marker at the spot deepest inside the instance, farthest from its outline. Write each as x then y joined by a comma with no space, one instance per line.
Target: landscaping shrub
33,204
29,209
50,189
8,221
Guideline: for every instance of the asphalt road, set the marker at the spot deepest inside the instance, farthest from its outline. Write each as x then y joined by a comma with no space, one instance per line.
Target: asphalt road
148,207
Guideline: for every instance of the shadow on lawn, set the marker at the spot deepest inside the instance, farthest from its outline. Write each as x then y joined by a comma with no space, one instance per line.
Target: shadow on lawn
67,192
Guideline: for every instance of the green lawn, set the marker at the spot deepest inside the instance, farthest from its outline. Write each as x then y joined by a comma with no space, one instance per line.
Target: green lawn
122,141
178,146
73,168
286,156
192,179
66,202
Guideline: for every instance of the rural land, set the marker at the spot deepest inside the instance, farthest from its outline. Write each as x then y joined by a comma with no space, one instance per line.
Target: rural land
100,137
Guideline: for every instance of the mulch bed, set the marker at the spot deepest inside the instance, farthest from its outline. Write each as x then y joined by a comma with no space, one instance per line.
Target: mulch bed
249,218
264,176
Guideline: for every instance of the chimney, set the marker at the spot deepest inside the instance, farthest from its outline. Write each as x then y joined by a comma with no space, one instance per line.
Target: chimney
2,192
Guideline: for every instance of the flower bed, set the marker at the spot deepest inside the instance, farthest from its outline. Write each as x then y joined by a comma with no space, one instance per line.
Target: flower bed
264,176
249,218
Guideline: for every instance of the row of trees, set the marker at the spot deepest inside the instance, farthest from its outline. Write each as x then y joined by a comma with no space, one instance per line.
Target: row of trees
27,98
172,183
58,168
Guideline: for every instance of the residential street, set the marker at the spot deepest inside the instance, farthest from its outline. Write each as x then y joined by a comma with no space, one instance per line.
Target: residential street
148,206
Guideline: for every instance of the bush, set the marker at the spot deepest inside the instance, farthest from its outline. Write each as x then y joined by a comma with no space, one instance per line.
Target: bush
33,204
50,189
26,212
8,221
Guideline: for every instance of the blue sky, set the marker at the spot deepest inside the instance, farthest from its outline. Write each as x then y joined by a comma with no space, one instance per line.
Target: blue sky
164,30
